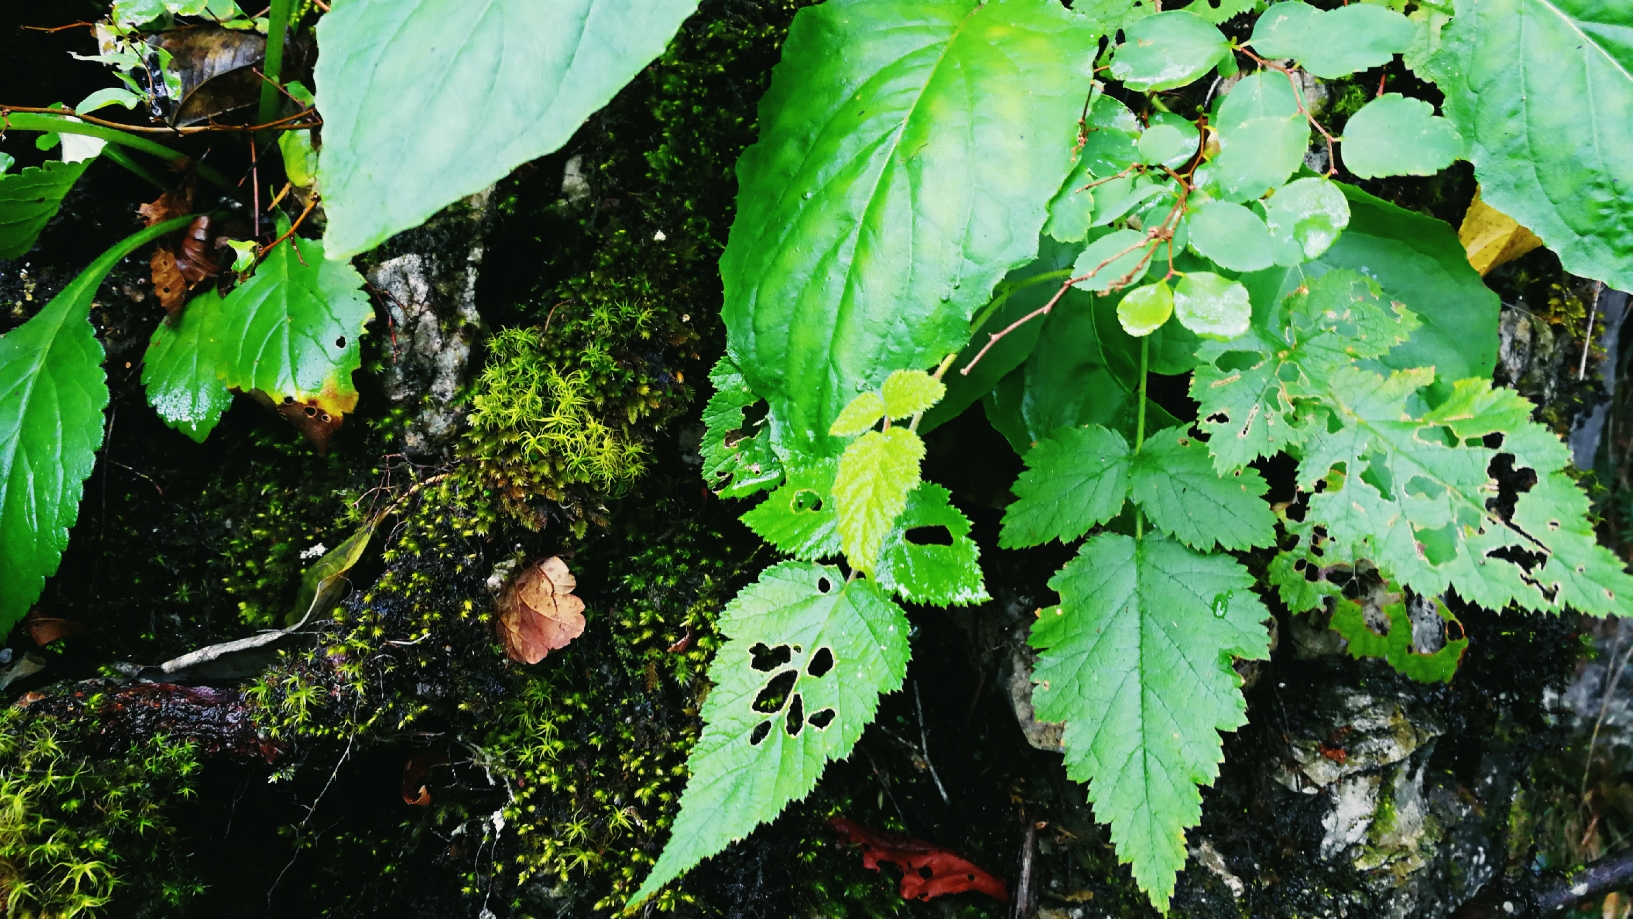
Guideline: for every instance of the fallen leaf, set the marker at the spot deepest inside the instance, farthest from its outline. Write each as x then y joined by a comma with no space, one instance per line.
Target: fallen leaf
168,206
46,629
538,612
1491,237
416,773
927,870
168,282
195,259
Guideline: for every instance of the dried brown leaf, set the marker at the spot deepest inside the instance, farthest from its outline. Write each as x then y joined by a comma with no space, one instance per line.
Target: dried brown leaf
196,261
46,629
538,612
168,206
168,282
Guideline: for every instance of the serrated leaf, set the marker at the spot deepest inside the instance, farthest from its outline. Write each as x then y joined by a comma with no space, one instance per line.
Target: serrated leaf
182,369
1136,660
1113,260
1219,11
1299,573
291,331
1174,482
513,81
28,201
1144,310
859,415
909,392
875,475
1541,89
857,640
1332,43
1075,480
931,573
1232,236
1212,306
1305,217
1349,620
52,393
930,191
1393,135
735,464
1167,51
1262,136
799,517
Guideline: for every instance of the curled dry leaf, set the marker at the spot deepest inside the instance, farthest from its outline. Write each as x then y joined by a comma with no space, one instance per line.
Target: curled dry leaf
168,282
168,206
47,629
538,612
196,260
417,775
927,869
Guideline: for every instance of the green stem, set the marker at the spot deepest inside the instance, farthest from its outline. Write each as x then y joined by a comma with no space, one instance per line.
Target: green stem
277,25
1010,287
62,124
1139,425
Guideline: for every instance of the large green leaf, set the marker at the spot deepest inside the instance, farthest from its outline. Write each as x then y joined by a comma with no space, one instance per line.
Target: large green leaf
908,151
182,369
1136,660
28,201
52,393
1074,481
1543,92
846,646
1174,482
427,101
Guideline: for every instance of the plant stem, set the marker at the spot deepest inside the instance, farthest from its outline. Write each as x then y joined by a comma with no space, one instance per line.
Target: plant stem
61,124
1009,288
277,25
1139,425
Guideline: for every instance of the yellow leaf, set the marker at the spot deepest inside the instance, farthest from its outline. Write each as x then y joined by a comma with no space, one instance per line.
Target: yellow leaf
1491,237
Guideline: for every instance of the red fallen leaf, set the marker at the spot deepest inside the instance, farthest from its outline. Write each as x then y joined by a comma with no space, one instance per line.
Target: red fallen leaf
927,870
538,612
415,773
46,629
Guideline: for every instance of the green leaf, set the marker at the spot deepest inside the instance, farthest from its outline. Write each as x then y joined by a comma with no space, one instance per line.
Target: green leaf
1334,43
503,83
182,369
885,198
1113,260
1136,660
291,331
931,573
876,473
28,201
1219,11
1167,51
1349,620
1168,144
1110,146
52,393
847,646
1262,136
1430,22
323,585
1075,480
300,159
1541,90
1144,310
1305,217
1175,483
1212,306
861,414
909,392
1393,135
1233,236
799,517
735,464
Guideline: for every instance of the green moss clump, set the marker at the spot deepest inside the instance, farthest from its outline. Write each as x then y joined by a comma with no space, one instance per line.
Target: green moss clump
78,831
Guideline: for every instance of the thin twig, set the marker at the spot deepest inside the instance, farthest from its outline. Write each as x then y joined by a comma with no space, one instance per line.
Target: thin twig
1587,338
924,746
1604,704
311,202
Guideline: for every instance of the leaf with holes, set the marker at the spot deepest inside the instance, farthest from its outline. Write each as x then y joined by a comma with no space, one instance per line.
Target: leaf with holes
28,201
1136,660
804,663
1174,482
937,574
736,463
1396,646
907,154
799,518
1396,136
1332,43
182,369
876,473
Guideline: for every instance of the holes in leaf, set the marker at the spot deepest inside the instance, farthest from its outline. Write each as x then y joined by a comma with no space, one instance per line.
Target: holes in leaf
766,659
929,536
807,501
821,663
796,716
759,732
1238,360
820,720
340,342
1511,483
775,694
1287,373
824,585
752,416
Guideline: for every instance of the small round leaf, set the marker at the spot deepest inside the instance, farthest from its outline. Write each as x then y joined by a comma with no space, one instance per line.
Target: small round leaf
1305,218
1167,51
1233,236
1212,306
1393,135
1144,310
1109,259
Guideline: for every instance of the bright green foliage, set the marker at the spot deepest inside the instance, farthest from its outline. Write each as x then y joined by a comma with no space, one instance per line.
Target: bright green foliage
1349,620
182,369
1542,91
1212,306
909,392
1174,482
28,201
142,12
1305,218
938,575
860,415
52,393
1112,261
875,144
799,517
870,490
1110,145
1233,236
735,463
1144,310
1136,660
1393,135
1262,136
513,82
1166,144
1074,481
1167,51
291,331
760,749
1218,11
1333,43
